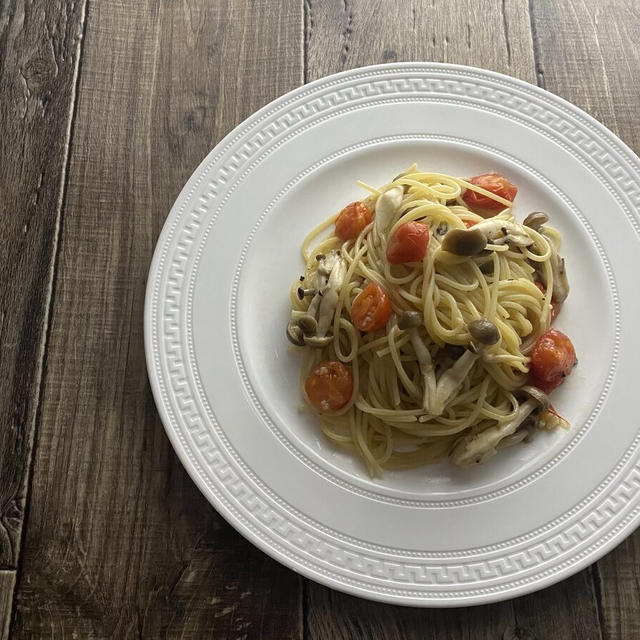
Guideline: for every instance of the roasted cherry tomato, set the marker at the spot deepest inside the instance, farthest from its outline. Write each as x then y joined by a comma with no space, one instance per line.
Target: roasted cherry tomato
494,183
552,359
408,243
329,386
371,309
555,306
352,220
469,223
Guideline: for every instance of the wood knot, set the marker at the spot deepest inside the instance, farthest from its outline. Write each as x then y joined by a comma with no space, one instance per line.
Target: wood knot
518,633
389,55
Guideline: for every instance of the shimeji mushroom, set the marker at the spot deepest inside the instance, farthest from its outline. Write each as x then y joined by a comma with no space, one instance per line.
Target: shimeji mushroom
471,242
483,333
503,232
311,327
410,321
535,220
560,281
386,207
478,447
451,380
464,242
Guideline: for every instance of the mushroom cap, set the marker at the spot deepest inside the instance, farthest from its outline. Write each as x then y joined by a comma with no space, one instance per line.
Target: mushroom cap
409,319
294,334
308,324
461,242
535,220
484,331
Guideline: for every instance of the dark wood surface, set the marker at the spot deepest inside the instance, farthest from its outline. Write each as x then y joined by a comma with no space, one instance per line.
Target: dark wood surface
106,107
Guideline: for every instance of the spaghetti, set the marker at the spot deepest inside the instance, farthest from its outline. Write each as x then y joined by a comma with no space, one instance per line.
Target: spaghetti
421,316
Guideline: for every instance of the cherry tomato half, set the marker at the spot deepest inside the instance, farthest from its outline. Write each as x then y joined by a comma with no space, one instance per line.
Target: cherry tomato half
352,220
408,243
371,309
494,183
552,359
329,386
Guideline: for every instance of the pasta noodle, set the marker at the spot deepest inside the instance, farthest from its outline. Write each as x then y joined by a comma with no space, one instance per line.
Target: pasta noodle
422,391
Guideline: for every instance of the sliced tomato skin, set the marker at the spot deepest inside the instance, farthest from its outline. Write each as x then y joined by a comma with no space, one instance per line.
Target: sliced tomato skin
352,220
371,309
552,360
408,243
494,183
329,386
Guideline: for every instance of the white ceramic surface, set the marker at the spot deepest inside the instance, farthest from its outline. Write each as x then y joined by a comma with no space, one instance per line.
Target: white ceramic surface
226,385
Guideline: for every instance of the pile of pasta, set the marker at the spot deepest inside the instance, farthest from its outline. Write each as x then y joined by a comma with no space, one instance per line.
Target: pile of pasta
423,316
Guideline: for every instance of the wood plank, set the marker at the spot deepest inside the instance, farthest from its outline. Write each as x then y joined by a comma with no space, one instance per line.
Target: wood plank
119,542
568,609
588,54
495,35
618,582
7,583
39,52
331,614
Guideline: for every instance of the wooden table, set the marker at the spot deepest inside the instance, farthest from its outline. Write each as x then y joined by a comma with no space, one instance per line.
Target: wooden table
106,107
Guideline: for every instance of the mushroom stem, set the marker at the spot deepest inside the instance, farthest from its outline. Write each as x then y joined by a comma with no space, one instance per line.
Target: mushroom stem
451,381
426,368
410,321
386,206
560,281
504,232
331,273
478,447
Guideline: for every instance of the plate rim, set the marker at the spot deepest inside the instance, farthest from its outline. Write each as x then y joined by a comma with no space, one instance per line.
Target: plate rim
154,272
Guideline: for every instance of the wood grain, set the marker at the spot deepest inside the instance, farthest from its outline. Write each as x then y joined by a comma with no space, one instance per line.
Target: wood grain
618,582
119,542
495,35
588,54
331,614
39,47
342,34
7,581
566,610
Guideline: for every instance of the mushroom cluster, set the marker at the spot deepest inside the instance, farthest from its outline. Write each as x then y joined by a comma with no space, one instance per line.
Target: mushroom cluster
438,393
311,327
478,447
471,242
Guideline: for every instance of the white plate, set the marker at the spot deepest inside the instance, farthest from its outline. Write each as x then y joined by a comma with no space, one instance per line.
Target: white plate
226,384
